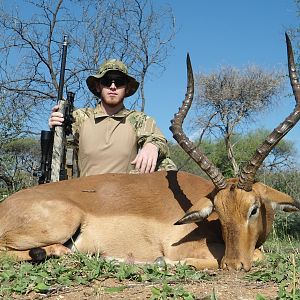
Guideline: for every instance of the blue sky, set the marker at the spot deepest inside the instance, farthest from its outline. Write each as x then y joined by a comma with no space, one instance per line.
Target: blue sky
216,33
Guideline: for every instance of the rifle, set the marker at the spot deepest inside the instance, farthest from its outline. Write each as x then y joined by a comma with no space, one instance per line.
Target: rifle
44,172
53,142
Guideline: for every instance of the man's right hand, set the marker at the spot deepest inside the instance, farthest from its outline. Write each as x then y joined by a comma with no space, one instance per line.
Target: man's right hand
56,118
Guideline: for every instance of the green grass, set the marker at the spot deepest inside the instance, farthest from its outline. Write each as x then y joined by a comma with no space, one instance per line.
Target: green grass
282,265
79,269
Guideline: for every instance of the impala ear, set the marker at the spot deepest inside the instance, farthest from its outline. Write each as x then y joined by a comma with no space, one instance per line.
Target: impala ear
198,212
285,207
277,199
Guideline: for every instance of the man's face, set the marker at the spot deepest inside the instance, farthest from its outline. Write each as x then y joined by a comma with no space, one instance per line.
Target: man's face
112,88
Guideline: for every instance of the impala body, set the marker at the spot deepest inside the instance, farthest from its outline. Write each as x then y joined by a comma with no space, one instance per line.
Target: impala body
140,218
124,217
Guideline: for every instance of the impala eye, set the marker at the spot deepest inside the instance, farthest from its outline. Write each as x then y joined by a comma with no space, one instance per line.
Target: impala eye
253,211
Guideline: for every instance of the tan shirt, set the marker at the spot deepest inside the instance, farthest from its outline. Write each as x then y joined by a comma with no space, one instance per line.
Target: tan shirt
108,144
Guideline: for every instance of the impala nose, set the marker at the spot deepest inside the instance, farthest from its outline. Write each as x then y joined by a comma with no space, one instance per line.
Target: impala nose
233,264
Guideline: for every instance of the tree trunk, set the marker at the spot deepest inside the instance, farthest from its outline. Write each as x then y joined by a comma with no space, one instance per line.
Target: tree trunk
231,158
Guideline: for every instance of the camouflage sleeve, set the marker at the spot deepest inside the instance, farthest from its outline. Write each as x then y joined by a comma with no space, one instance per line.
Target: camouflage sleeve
148,132
79,116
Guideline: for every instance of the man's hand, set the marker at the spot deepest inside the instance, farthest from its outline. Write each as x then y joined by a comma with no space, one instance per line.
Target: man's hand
56,118
145,161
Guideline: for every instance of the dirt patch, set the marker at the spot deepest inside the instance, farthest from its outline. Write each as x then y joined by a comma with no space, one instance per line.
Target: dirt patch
226,285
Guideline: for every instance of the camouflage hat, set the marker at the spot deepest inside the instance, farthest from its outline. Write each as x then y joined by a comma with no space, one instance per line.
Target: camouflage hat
112,65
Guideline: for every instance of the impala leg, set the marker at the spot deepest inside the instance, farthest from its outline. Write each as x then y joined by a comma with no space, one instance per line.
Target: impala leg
16,255
258,255
197,263
202,263
41,225
37,254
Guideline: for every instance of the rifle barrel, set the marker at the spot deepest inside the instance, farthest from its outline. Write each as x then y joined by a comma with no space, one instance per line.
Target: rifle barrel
62,69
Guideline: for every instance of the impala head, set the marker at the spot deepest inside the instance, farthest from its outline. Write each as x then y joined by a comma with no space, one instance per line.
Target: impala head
246,218
245,207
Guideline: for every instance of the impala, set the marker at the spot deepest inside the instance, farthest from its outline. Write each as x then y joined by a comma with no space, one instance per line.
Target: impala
176,216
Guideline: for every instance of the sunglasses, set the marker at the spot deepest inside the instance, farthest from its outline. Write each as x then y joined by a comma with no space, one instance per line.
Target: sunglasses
118,81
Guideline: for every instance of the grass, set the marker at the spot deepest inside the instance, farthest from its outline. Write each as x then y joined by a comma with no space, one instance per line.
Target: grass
3,196
283,269
282,266
79,269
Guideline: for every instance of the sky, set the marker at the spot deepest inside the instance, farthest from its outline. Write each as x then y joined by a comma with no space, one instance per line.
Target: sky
223,33
218,33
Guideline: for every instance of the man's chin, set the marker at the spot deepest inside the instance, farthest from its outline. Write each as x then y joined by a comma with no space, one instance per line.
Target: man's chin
112,104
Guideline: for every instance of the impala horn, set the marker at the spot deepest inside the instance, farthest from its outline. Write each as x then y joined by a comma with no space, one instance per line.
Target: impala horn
246,178
189,147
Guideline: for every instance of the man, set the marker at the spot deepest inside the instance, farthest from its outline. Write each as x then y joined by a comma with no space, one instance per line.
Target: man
111,138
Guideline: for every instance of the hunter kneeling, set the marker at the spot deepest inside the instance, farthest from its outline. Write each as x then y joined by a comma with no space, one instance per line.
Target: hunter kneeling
111,138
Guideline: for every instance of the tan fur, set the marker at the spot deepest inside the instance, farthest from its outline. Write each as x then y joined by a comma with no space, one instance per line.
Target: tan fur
131,217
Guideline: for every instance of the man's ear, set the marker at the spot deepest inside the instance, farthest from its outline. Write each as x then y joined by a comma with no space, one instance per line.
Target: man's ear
198,212
98,86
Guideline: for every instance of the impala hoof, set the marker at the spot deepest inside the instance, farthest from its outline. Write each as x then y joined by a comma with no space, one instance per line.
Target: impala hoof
37,254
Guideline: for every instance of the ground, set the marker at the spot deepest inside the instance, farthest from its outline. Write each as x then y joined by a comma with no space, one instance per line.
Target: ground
226,285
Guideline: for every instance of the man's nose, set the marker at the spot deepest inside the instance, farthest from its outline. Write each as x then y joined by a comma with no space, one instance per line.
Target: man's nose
113,85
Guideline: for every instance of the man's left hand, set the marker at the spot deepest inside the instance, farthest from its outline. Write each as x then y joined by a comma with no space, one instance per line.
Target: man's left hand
145,161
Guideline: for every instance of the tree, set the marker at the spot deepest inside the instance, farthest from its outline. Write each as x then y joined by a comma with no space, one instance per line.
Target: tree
18,160
13,113
228,98
147,37
30,53
280,159
130,30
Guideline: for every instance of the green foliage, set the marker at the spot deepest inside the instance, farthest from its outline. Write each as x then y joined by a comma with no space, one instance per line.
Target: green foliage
20,146
283,269
78,269
54,274
277,269
183,271
169,292
282,264
260,297
183,161
3,194
18,159
244,149
287,225
284,294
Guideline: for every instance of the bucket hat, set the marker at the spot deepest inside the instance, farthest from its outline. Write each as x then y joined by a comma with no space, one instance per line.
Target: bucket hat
112,65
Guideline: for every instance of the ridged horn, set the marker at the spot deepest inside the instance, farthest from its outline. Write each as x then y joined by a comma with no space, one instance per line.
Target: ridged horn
189,147
246,178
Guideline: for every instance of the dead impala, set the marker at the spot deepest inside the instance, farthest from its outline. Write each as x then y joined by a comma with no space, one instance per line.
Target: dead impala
131,217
